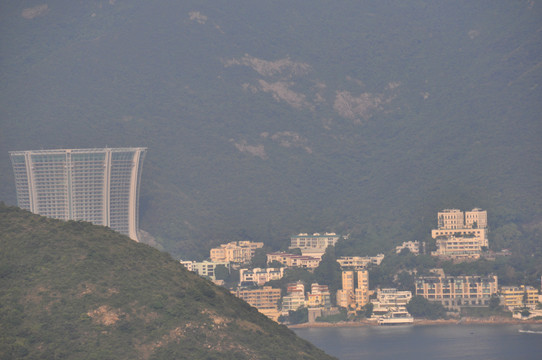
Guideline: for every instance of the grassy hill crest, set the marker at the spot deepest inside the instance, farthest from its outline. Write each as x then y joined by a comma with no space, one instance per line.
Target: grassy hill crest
73,290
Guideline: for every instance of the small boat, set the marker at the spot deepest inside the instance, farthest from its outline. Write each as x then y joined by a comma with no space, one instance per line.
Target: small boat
396,318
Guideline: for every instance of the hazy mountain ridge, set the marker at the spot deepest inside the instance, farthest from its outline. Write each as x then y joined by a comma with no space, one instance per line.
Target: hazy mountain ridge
263,120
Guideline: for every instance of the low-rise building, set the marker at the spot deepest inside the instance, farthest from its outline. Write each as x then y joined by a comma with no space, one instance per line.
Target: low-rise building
236,251
456,291
314,245
204,268
260,276
458,248
359,261
291,260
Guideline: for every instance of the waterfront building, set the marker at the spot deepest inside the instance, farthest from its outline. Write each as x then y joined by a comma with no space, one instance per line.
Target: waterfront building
100,186
236,251
392,297
350,296
456,291
266,300
290,260
260,276
294,298
319,296
314,245
514,297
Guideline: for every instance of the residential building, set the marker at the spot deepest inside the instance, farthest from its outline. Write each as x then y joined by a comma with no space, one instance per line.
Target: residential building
458,248
290,260
460,236
514,297
100,186
314,245
456,291
265,299
295,297
350,296
237,251
260,276
204,268
392,297
359,261
319,296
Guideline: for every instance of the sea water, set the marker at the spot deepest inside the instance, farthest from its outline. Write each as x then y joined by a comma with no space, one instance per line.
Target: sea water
420,342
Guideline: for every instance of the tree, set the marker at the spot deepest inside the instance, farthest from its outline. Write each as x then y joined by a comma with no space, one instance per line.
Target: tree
328,271
423,308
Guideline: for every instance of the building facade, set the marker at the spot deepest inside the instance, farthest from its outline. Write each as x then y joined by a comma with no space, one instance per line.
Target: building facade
455,291
237,252
290,260
351,296
460,236
260,276
359,261
100,186
204,268
314,245
266,300
514,297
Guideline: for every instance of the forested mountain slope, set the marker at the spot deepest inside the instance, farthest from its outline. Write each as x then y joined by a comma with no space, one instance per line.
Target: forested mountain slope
73,290
267,119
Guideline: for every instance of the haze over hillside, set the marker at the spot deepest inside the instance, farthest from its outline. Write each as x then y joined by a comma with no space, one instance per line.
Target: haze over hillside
73,290
268,119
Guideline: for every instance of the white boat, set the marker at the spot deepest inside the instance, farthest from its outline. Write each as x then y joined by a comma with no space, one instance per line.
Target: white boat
396,318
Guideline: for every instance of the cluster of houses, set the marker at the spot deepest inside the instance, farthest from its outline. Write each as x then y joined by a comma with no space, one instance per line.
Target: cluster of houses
460,236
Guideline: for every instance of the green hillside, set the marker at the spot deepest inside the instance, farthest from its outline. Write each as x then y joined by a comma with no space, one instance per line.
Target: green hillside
71,290
264,120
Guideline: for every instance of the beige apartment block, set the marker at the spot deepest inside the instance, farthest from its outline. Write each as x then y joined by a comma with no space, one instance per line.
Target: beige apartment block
451,219
514,297
455,291
479,235
352,296
314,245
460,236
266,300
236,252
458,248
476,219
290,260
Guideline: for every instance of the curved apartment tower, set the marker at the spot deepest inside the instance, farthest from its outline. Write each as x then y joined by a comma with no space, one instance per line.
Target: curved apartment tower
96,185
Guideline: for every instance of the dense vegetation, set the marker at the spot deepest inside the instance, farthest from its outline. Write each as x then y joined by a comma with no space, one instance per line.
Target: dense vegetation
268,119
72,290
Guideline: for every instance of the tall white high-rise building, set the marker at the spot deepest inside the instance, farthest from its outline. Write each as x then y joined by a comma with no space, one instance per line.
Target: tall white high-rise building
100,186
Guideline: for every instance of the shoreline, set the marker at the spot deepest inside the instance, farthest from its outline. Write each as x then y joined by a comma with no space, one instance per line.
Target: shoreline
465,320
